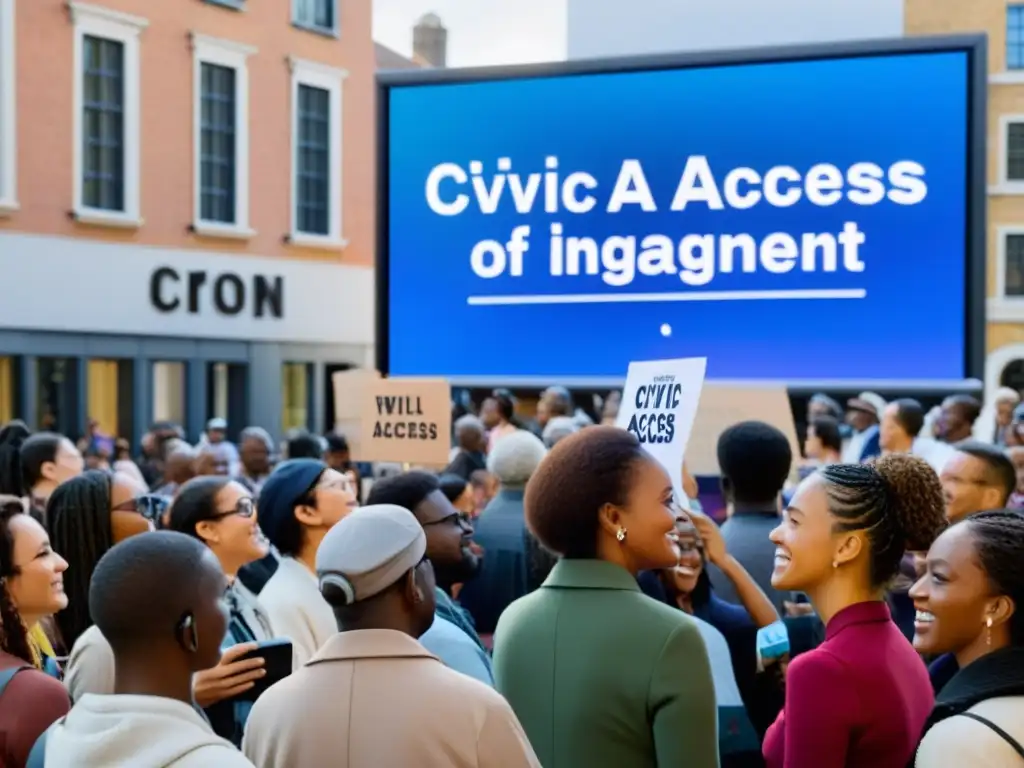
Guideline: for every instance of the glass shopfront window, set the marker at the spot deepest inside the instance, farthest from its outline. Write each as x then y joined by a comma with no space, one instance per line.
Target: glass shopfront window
110,396
57,396
227,395
296,396
169,392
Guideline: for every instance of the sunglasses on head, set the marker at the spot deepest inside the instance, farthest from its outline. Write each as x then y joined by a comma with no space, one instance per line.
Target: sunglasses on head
150,506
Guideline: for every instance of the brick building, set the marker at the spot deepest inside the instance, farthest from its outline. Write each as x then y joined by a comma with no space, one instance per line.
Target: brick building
186,210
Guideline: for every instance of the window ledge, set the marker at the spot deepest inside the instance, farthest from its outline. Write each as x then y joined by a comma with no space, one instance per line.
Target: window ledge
321,242
1006,188
324,31
231,5
8,205
1000,309
99,218
226,231
1011,77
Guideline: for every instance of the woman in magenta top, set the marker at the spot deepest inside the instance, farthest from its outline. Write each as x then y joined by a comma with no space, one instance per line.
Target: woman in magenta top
861,698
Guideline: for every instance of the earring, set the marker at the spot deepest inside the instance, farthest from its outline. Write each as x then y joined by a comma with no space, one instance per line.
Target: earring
988,631
620,535
835,563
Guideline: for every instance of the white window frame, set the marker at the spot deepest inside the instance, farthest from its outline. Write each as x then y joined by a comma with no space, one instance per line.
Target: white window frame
126,29
223,53
1000,307
1003,185
8,114
335,30
317,75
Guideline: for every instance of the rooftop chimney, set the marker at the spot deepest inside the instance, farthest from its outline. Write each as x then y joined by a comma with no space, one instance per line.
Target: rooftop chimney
430,41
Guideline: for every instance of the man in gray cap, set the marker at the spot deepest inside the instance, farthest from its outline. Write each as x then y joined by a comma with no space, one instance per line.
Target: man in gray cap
372,695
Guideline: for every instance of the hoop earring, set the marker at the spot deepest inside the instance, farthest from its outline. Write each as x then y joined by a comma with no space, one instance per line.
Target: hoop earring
988,632
620,535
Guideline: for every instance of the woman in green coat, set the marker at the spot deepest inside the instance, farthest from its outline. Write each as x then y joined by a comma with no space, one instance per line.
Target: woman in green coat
600,675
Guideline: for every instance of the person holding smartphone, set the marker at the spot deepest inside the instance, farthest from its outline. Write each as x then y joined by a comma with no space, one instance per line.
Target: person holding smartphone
221,513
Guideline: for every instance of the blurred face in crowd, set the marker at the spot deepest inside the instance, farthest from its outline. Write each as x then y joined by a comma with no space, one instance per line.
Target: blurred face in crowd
686,574
953,424
805,544
1004,412
66,464
813,448
37,586
953,599
211,462
543,412
232,532
489,413
215,436
339,460
126,514
966,488
861,419
648,520
449,540
333,497
255,456
891,435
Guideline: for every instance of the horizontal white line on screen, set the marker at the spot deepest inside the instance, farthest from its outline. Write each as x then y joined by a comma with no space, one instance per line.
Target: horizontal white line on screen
641,298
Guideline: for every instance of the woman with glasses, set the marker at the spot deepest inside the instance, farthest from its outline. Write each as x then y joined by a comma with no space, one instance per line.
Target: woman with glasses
221,513
31,588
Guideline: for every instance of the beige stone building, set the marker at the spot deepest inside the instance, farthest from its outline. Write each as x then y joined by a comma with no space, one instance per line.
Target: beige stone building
1004,23
186,210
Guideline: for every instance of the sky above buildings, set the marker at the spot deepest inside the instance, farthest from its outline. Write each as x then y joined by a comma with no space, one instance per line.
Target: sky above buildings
480,32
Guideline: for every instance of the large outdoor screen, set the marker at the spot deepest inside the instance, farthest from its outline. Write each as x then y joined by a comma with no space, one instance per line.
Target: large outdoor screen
809,218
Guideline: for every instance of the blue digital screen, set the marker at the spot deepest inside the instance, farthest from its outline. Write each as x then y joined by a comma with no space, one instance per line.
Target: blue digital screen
797,221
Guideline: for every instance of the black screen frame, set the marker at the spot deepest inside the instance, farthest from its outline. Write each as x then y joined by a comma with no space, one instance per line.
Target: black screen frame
976,48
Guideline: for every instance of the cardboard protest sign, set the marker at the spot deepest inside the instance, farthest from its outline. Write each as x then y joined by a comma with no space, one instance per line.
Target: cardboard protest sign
400,420
721,406
659,403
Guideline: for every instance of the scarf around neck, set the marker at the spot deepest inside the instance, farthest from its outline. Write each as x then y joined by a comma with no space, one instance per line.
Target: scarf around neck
1000,673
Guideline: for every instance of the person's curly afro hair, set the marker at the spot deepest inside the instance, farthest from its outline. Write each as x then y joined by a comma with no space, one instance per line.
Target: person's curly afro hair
897,500
581,474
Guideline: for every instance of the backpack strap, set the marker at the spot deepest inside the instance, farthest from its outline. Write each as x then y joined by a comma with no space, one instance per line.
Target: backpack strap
8,674
999,731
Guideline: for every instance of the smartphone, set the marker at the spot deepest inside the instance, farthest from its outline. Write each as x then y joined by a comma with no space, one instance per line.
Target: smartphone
772,642
277,659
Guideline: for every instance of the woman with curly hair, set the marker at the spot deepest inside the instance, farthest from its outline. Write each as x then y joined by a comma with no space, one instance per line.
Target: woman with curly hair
31,588
860,699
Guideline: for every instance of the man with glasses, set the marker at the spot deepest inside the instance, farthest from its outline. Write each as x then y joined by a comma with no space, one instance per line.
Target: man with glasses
976,478
452,637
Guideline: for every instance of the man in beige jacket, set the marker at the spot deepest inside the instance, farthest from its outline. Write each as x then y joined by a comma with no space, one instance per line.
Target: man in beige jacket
372,695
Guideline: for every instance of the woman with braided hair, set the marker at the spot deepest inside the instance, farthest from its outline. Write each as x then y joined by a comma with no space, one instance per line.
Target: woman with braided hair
31,588
970,603
860,699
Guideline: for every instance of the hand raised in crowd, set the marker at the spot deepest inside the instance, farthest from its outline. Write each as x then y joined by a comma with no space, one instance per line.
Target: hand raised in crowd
230,677
711,535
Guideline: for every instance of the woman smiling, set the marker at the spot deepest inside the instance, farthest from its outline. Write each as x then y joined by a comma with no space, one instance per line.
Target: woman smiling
31,588
970,603
859,699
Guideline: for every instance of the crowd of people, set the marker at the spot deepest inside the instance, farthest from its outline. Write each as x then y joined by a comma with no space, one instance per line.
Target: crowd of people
545,600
